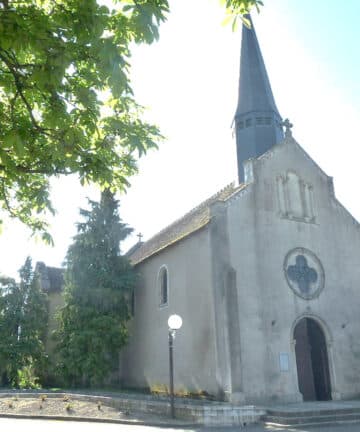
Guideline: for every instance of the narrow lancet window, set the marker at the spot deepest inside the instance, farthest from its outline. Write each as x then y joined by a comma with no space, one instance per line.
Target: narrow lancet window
164,286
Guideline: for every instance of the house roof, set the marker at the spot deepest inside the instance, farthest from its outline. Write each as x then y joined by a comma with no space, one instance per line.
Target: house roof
191,222
56,277
51,278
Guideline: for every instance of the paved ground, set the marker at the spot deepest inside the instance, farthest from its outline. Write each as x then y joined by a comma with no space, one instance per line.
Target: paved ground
69,426
338,428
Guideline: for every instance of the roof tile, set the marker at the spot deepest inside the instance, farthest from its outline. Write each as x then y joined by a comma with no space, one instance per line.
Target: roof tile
196,219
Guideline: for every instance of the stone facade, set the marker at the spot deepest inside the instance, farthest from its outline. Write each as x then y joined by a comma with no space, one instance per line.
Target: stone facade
229,282
264,274
145,362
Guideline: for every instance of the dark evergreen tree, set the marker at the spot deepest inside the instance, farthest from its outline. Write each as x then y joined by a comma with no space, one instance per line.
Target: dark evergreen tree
98,286
23,321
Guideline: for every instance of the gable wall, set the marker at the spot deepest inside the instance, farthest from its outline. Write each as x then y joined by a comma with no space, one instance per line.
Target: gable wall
260,239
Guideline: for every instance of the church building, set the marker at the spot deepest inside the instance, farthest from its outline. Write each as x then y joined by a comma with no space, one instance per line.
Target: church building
264,274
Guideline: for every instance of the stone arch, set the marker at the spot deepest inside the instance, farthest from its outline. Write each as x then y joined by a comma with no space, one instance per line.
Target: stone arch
319,320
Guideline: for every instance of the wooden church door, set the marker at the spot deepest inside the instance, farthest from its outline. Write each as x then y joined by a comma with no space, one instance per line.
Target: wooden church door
312,361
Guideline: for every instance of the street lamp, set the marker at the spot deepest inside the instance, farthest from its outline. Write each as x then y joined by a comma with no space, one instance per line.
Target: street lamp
174,323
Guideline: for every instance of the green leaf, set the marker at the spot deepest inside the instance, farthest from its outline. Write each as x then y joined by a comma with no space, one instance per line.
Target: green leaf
47,238
13,140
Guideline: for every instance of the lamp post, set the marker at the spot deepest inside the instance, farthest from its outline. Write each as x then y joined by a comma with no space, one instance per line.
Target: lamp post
174,323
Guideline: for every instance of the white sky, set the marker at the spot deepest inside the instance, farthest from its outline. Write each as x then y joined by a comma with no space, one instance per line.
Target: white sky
188,82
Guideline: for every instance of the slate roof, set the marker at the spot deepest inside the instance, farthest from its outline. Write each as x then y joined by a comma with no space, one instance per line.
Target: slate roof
191,222
255,94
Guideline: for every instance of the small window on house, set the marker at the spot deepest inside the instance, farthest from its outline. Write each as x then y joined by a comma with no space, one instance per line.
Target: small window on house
248,122
164,286
259,121
241,125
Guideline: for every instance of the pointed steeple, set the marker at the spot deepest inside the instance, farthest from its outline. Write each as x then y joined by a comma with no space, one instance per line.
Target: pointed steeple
257,119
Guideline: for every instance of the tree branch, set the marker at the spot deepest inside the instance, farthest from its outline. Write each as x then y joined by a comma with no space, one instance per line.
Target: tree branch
6,201
19,87
27,170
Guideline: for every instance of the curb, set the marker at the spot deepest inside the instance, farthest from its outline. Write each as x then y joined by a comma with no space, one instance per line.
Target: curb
146,413
102,420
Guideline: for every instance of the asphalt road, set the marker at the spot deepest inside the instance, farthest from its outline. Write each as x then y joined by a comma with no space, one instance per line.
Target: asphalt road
11,425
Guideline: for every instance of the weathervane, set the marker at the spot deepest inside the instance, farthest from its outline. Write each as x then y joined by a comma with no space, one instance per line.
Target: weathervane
140,236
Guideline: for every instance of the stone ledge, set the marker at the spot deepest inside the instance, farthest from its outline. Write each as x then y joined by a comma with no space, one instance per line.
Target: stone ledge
206,413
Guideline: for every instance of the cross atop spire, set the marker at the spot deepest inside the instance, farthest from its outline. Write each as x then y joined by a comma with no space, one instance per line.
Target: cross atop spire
288,126
257,118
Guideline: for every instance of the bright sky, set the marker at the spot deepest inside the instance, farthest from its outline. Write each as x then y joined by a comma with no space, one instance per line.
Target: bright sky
188,82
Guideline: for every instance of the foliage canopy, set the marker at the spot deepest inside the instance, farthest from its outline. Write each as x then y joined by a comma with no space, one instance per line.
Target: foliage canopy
58,58
238,9
55,59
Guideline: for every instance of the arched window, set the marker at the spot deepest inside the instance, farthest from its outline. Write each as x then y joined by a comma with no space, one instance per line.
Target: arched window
295,198
164,286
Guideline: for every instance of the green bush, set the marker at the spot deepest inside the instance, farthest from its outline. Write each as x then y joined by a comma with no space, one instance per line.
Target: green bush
27,378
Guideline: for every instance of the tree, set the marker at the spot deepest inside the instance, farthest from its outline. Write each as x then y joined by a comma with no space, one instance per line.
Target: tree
23,319
55,59
238,9
98,286
58,60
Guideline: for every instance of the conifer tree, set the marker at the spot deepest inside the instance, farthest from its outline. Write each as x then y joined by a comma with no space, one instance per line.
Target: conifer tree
23,320
98,286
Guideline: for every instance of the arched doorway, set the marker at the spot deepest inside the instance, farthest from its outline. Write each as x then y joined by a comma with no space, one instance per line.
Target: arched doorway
312,360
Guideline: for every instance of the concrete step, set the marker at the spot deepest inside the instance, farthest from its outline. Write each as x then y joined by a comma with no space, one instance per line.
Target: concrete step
311,417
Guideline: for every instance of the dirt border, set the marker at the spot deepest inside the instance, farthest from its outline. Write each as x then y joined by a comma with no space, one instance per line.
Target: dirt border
152,420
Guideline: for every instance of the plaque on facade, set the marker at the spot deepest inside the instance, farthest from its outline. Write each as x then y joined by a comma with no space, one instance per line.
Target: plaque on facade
304,273
284,362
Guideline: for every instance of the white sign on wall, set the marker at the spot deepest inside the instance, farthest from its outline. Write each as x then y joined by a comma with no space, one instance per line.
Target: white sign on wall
284,362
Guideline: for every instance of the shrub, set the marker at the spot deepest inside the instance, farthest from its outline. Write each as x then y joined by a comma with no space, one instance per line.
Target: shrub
159,389
27,378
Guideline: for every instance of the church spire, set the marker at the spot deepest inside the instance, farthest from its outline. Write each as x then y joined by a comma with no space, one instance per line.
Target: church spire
257,119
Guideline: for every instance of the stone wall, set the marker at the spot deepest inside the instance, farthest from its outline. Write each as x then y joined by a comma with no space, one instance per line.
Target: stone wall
263,230
145,361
